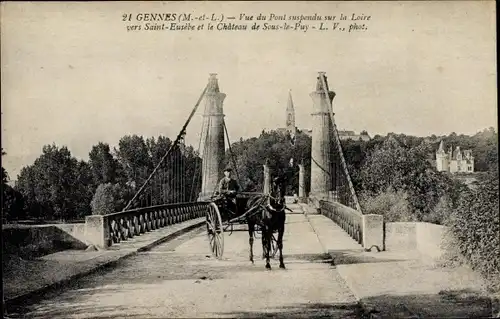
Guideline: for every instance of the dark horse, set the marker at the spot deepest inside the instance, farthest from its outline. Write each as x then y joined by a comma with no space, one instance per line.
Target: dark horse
268,212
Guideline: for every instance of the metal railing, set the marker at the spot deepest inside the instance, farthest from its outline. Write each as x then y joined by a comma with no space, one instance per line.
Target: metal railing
127,224
346,217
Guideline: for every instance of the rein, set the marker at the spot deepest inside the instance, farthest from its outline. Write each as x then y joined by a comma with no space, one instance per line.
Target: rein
259,203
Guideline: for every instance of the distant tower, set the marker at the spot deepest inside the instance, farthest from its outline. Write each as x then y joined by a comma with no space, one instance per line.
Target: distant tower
290,115
321,159
442,159
213,136
458,159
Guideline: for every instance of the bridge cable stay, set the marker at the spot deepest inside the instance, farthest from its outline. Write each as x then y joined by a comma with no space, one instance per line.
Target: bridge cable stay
180,137
182,167
198,168
231,153
156,192
339,146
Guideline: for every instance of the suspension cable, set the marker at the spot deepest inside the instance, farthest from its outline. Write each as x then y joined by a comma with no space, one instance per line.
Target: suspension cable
231,152
339,146
179,136
205,128
195,168
176,173
183,172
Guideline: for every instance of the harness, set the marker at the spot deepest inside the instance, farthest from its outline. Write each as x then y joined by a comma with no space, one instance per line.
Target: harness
263,203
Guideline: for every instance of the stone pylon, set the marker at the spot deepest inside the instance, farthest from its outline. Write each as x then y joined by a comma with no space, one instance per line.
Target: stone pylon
212,138
321,155
267,178
302,190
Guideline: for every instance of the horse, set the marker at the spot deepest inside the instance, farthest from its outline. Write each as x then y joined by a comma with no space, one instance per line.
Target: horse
268,212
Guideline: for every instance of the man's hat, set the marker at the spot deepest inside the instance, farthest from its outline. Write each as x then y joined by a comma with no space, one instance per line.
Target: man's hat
228,169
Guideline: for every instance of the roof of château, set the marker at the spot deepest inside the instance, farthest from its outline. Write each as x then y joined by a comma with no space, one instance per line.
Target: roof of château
441,147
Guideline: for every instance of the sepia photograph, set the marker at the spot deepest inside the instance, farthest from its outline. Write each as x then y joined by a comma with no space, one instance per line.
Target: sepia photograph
268,159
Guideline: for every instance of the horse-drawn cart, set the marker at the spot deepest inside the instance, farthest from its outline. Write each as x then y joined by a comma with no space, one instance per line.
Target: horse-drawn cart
220,217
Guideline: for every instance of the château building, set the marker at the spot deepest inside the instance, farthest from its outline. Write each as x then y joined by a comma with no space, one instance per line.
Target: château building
454,161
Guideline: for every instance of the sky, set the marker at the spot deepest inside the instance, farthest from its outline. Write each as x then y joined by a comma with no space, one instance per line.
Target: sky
73,75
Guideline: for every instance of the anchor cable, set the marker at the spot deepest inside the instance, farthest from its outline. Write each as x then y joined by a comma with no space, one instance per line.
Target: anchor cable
179,136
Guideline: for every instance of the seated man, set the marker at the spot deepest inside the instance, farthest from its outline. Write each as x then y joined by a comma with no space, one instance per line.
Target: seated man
228,188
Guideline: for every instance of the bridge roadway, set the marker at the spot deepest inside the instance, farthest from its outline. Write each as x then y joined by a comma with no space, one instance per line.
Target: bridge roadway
181,279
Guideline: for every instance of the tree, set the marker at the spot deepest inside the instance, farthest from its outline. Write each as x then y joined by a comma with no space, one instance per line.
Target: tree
251,154
133,155
355,156
50,185
5,176
475,226
13,205
102,164
396,167
84,190
158,148
103,202
384,167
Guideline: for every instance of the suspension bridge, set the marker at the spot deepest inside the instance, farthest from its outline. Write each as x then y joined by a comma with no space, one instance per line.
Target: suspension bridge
335,254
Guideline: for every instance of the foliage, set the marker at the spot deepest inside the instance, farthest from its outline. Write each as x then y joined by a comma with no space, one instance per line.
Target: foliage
103,202
275,147
441,212
355,152
55,185
5,176
177,179
83,191
394,206
484,146
395,166
12,203
58,186
103,166
475,225
134,156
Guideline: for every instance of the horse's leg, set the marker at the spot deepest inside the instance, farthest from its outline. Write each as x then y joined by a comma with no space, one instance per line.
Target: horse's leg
251,228
266,237
263,243
281,231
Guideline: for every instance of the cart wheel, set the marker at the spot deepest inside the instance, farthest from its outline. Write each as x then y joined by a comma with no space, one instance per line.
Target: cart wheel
215,231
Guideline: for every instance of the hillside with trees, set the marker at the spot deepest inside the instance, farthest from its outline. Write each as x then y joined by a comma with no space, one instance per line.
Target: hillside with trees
58,187
390,170
393,175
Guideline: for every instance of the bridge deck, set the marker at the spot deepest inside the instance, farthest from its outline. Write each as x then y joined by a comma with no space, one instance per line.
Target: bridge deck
179,279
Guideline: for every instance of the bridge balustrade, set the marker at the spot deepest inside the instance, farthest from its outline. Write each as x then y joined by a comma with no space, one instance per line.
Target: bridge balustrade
347,218
106,230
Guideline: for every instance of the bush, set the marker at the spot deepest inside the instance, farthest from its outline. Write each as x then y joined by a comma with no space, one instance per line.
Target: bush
394,206
475,226
451,257
103,202
121,195
440,213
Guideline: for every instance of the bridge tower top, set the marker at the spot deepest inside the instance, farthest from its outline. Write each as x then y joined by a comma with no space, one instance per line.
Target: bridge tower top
213,84
319,82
